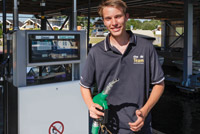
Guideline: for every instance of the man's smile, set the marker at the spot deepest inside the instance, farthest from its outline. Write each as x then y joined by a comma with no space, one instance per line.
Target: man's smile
116,29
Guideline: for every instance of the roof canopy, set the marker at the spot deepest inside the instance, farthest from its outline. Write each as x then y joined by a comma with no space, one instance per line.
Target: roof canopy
141,9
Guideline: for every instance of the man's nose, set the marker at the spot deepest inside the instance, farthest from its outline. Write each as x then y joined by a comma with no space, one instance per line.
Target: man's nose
114,21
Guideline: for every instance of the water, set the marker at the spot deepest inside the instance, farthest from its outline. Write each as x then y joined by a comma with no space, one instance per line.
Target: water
177,112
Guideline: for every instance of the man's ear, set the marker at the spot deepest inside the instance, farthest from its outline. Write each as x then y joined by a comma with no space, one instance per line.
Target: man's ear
127,16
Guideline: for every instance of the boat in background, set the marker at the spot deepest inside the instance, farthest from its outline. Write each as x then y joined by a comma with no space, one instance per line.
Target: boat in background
195,65
161,60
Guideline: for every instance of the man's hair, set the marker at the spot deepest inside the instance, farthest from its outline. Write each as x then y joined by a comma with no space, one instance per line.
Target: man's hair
112,3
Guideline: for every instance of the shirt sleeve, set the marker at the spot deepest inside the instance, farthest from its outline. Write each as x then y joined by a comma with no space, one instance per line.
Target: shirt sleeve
157,74
88,73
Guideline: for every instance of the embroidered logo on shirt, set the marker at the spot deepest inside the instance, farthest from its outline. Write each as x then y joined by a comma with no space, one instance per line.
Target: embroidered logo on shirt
138,59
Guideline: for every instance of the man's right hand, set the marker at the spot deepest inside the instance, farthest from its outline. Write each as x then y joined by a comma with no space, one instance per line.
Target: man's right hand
93,107
94,112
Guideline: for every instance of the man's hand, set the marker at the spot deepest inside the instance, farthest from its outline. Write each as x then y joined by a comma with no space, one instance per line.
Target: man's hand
94,112
139,123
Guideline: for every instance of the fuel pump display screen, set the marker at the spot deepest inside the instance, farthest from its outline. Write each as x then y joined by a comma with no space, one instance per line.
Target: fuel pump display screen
48,48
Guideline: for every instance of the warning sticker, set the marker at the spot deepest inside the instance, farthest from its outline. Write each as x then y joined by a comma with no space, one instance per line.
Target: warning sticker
56,128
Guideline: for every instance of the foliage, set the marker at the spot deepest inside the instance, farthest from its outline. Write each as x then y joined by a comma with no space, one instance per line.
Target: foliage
145,25
83,21
55,28
34,29
135,23
150,25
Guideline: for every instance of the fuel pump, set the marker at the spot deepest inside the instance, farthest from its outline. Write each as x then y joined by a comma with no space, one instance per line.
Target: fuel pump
101,100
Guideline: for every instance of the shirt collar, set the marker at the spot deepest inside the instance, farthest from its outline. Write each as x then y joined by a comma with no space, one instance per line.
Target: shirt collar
107,45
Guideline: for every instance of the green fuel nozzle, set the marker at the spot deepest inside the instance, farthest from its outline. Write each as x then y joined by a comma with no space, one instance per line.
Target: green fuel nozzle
101,100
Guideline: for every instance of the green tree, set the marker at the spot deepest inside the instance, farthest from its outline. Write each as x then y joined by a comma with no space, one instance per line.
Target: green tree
135,23
150,25
145,25
83,21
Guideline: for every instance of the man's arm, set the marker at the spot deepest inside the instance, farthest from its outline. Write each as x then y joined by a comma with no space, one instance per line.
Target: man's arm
143,112
87,97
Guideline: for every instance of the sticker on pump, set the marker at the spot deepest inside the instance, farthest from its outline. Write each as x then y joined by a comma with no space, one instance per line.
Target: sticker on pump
56,128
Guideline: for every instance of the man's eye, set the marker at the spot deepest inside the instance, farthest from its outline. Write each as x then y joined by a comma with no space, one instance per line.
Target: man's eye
107,19
118,17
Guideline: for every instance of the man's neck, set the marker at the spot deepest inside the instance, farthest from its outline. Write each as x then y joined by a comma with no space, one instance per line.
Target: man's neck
120,42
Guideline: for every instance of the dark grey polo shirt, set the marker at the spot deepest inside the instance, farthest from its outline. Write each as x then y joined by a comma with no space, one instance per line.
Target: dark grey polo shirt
136,69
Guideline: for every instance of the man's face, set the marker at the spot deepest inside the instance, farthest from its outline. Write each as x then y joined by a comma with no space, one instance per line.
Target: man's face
115,20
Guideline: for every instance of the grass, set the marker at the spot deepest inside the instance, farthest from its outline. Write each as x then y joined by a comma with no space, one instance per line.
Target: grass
95,40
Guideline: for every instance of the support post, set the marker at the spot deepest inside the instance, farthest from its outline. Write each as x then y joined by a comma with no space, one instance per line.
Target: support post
74,15
4,26
198,34
88,28
5,96
15,16
43,18
164,35
43,21
70,21
188,42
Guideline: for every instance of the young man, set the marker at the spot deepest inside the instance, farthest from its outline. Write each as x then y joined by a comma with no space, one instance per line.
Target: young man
131,59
